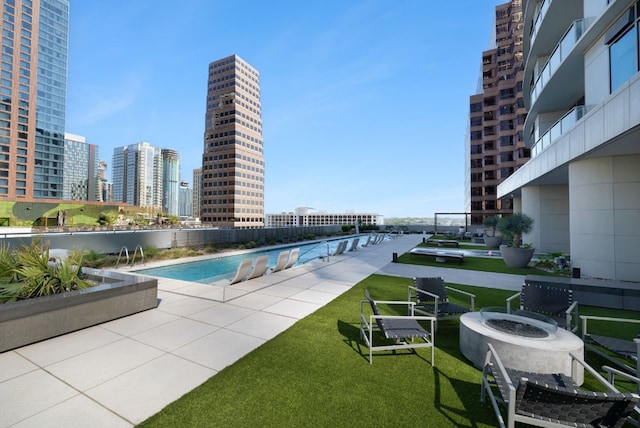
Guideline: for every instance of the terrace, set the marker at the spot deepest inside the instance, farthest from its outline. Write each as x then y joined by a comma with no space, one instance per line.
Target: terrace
287,354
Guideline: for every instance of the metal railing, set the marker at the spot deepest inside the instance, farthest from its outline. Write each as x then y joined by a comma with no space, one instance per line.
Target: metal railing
126,253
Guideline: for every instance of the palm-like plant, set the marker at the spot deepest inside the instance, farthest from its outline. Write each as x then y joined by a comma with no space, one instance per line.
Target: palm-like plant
516,225
28,273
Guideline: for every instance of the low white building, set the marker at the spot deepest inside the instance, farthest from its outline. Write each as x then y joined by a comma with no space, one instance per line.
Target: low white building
309,217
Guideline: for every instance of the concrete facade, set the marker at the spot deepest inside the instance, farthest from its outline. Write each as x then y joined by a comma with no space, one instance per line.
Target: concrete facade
582,184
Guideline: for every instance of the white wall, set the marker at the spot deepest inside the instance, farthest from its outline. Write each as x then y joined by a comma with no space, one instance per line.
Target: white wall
596,73
549,207
594,8
604,200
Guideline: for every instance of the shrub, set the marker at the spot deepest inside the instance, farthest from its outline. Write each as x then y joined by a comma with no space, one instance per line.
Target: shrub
27,272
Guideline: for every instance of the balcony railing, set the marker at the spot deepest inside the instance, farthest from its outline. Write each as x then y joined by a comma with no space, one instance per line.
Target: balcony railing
538,19
563,125
568,41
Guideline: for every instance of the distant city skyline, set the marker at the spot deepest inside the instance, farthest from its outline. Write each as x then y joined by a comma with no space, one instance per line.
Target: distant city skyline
365,106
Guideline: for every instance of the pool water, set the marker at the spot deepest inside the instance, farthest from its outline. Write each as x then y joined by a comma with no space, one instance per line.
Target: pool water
225,267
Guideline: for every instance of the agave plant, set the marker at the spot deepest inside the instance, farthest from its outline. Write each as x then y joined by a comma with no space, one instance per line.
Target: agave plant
27,273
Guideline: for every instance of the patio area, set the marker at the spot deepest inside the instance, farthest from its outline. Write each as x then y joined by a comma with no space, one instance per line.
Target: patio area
120,373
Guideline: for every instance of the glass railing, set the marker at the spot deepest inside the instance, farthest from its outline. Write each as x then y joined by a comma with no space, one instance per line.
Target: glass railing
559,54
566,123
537,21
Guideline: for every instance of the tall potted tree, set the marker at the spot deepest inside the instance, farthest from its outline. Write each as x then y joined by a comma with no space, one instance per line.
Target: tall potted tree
516,225
493,240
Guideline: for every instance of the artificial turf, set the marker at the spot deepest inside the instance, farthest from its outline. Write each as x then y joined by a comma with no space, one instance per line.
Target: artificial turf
317,374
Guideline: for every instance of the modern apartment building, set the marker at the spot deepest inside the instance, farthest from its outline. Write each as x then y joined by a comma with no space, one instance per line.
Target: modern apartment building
196,192
582,92
496,147
233,161
32,98
170,181
136,174
80,170
185,200
306,217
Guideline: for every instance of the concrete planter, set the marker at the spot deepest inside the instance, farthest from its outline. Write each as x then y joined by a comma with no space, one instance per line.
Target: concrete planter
492,241
33,320
516,257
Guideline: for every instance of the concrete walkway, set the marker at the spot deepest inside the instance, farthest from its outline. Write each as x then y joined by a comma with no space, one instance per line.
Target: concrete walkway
119,373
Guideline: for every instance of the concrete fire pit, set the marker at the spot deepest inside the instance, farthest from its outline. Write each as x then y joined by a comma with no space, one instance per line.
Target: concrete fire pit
522,342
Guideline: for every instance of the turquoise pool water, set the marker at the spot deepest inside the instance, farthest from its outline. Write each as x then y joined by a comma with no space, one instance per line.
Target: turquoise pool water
224,267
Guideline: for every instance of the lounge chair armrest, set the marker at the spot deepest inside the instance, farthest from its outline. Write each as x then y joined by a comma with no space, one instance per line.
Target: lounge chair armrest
471,296
492,354
509,299
586,318
435,296
572,312
431,320
395,302
611,372
402,317
575,361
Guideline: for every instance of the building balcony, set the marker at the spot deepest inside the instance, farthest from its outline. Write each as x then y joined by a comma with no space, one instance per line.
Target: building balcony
559,55
563,125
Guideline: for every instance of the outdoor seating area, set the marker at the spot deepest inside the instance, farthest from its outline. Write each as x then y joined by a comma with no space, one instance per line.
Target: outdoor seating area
430,297
550,400
331,357
399,331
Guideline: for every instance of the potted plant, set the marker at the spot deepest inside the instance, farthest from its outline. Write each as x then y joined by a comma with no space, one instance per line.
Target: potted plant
516,225
493,240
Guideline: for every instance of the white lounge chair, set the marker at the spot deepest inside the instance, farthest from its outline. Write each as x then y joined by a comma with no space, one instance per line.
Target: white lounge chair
340,248
354,244
281,262
293,257
260,268
243,269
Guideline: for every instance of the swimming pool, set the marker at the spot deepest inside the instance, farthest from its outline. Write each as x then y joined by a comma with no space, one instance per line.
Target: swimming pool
224,267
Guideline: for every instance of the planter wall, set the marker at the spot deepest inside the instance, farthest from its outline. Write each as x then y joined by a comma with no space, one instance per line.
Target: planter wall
33,320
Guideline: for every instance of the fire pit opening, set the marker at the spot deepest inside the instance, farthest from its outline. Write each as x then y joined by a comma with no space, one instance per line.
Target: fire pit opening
517,328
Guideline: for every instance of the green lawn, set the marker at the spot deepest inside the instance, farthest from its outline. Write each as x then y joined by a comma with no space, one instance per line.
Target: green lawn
317,374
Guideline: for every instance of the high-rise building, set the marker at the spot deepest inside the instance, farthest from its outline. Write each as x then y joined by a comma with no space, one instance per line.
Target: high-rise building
136,173
80,169
103,186
196,192
170,181
32,98
496,147
582,91
233,159
185,200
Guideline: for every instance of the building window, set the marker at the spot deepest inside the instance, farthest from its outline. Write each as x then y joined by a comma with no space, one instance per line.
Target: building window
623,61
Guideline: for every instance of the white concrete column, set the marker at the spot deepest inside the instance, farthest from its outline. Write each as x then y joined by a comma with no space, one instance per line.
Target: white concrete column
604,195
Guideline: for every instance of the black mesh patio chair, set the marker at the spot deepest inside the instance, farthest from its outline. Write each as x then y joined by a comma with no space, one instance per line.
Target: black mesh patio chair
621,352
399,331
431,298
552,400
554,302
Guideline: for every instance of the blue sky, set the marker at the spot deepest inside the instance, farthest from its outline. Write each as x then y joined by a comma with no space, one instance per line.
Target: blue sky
364,102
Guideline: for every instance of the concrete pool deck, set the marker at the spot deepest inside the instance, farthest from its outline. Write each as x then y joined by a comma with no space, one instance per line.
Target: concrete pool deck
119,373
